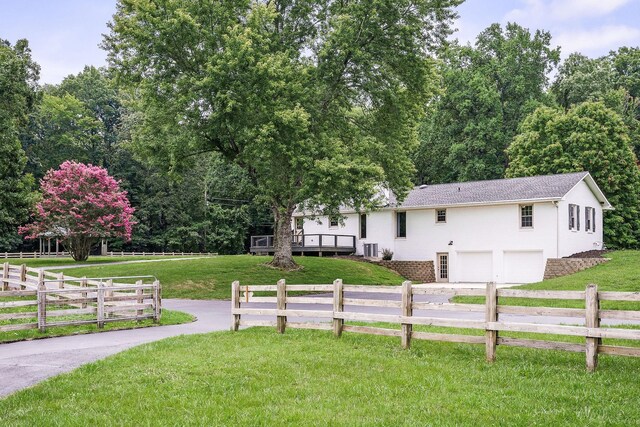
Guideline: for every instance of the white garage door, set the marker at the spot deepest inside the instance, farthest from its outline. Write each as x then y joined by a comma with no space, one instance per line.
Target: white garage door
475,266
523,266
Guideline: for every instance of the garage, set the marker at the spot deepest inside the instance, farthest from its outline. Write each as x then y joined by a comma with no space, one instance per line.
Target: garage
475,266
523,266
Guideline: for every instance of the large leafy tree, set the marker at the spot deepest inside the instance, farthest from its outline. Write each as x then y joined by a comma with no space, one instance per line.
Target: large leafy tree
61,128
581,79
587,137
613,79
99,94
18,80
487,89
318,101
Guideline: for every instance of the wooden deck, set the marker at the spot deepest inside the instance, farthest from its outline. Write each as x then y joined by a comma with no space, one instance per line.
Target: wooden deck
312,244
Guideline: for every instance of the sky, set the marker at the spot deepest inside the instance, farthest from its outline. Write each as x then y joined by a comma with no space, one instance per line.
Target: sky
64,34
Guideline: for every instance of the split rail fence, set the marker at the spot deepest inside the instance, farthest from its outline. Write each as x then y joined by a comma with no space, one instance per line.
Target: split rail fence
31,298
340,308
30,255
121,253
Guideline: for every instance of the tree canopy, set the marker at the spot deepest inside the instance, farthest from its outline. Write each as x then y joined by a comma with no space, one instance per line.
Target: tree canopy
588,137
18,81
317,101
487,89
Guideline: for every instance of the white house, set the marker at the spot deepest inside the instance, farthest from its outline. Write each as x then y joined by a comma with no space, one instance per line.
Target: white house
499,230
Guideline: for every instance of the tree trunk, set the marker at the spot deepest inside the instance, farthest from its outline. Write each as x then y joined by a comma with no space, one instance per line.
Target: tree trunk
79,247
282,257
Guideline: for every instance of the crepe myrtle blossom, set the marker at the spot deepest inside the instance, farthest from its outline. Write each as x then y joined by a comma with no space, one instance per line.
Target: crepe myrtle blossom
81,204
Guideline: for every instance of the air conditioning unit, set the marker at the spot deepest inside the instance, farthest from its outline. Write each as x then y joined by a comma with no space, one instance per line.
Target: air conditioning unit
371,250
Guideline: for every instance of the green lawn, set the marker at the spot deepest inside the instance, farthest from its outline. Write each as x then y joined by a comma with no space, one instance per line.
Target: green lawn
257,377
169,317
621,274
53,262
212,277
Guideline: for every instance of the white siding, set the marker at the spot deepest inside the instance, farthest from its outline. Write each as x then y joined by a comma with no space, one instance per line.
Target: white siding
474,266
483,242
523,266
574,241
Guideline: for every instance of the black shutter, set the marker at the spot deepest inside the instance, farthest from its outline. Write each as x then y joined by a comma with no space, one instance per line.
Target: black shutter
578,216
593,219
570,214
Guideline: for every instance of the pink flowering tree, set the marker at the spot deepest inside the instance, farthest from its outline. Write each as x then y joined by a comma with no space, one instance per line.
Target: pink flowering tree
81,204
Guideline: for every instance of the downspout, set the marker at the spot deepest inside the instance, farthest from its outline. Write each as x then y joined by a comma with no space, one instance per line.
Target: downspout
556,204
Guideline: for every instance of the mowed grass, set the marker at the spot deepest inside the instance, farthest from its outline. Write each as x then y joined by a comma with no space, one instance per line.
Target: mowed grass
212,277
621,274
258,377
169,317
53,262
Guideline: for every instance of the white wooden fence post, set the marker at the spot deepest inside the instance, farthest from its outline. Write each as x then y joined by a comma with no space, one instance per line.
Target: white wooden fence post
235,303
157,301
338,306
140,299
5,276
407,311
42,303
491,315
100,305
281,304
23,274
592,320
83,284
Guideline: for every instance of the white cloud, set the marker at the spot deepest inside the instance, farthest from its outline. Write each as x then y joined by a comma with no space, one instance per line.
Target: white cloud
539,13
564,10
597,40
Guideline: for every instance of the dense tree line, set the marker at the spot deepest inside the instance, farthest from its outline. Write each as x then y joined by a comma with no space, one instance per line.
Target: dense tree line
208,161
499,115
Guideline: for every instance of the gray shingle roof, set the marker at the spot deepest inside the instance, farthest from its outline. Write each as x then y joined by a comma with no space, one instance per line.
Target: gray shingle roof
492,191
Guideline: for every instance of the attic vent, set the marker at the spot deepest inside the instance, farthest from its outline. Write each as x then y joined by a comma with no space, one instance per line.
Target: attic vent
423,186
458,189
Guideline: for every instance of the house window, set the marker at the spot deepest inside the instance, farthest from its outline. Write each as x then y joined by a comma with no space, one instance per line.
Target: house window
299,223
441,215
363,226
401,224
333,222
589,219
526,216
574,217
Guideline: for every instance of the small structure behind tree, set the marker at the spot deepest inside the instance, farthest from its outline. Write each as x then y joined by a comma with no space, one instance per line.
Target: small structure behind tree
81,204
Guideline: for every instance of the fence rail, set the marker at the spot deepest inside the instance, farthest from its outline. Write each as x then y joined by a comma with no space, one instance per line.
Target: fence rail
308,243
30,298
122,253
32,255
334,315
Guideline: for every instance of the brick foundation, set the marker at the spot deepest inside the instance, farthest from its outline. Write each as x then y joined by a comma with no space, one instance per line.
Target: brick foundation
558,267
416,271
